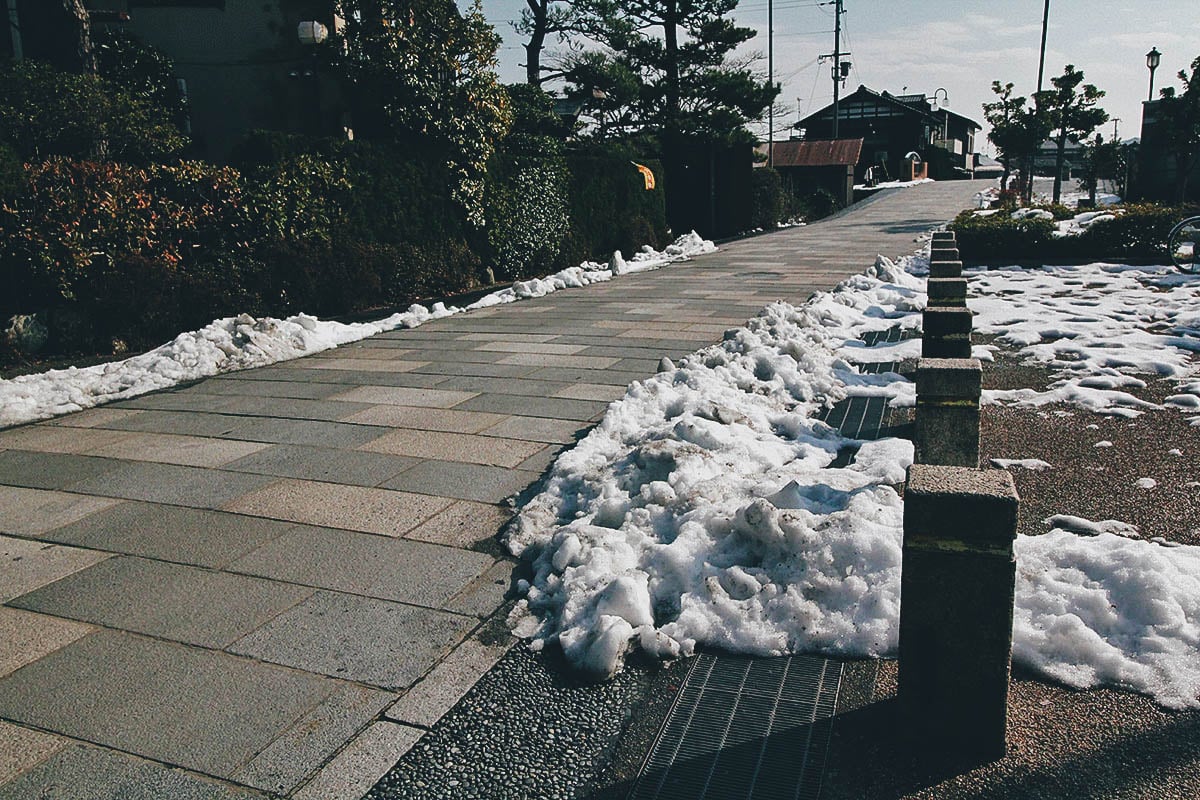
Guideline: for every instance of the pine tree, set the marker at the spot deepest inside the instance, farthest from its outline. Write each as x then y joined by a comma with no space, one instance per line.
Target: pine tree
679,52
1074,114
1016,130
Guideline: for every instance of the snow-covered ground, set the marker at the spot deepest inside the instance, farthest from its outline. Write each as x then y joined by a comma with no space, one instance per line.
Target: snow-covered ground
243,342
705,508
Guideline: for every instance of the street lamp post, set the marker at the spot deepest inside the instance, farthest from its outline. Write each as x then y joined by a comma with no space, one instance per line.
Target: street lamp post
1152,60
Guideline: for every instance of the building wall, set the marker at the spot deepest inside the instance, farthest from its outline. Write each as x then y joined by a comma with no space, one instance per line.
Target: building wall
1157,177
243,65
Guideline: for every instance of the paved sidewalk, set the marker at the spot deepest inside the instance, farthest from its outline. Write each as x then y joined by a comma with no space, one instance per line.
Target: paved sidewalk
272,582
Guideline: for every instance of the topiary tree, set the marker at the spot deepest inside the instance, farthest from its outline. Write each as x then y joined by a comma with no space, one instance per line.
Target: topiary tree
1074,114
1016,130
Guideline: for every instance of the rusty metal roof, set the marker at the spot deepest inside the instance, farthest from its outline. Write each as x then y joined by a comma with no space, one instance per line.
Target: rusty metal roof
817,153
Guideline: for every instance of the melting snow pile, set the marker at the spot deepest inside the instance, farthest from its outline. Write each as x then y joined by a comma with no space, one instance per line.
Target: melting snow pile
1098,326
242,342
705,508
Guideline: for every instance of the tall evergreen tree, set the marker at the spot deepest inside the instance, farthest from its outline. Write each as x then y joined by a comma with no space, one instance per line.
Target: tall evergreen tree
680,53
540,20
1016,130
1073,112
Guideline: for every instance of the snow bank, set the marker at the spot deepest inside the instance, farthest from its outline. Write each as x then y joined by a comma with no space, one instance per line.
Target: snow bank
1105,610
704,507
243,342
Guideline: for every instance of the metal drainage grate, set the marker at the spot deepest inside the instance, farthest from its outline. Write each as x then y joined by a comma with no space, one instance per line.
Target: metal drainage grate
745,729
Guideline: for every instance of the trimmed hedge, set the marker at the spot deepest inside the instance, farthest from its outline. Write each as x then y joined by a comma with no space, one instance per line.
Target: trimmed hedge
1137,233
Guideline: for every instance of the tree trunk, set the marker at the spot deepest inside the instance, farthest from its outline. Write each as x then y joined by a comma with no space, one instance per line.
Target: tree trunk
1059,157
79,26
537,38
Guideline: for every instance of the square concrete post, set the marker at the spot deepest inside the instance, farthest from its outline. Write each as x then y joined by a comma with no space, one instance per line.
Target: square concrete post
945,269
946,332
956,609
943,251
946,291
942,236
947,426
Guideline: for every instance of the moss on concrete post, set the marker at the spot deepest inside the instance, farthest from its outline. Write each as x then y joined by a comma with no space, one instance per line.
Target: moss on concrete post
947,425
956,609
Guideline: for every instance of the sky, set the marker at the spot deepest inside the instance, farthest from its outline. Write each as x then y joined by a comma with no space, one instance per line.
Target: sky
919,46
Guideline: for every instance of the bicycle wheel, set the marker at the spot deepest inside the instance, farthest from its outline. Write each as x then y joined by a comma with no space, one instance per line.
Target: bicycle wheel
1183,243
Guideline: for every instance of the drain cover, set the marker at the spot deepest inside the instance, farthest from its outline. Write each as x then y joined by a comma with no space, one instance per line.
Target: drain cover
747,728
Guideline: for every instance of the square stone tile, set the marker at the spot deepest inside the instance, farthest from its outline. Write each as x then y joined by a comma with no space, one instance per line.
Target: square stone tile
454,447
201,709
171,533
463,481
360,766
194,451
33,511
25,637
539,429
548,360
426,419
50,470
22,749
330,505
168,483
530,347
185,423
464,524
428,701
353,467
313,739
57,439
361,563
170,601
26,565
405,396
362,639
79,772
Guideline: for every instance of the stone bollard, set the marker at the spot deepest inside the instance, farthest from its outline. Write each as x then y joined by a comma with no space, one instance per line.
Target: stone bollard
946,332
943,251
956,609
942,236
946,291
945,269
947,427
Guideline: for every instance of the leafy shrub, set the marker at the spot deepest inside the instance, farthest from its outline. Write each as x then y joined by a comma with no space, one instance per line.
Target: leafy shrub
1139,232
770,200
144,73
45,113
814,205
1000,236
528,212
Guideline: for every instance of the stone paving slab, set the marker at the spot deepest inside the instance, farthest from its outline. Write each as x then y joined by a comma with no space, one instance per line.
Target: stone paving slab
470,448
34,470
52,439
192,451
27,565
453,479
170,601
25,637
363,639
200,709
355,508
302,431
424,704
464,524
225,385
355,467
362,763
171,484
400,396
34,511
521,405
537,429
22,749
170,533
390,569
91,773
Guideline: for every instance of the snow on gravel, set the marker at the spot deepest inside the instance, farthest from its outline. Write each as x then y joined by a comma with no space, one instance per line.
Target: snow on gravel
244,342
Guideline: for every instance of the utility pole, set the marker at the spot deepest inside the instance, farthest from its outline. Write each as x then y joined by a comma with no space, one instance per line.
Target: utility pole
1042,58
837,60
771,82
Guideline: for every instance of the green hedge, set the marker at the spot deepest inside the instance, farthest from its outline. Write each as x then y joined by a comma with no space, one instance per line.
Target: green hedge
1137,233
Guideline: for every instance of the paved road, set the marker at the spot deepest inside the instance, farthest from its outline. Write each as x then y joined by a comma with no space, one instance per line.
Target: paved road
274,581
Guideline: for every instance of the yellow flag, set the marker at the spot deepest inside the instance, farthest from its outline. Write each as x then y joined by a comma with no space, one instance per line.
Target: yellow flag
647,174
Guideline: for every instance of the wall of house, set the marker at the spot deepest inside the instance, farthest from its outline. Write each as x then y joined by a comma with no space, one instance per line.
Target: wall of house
1157,174
243,65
